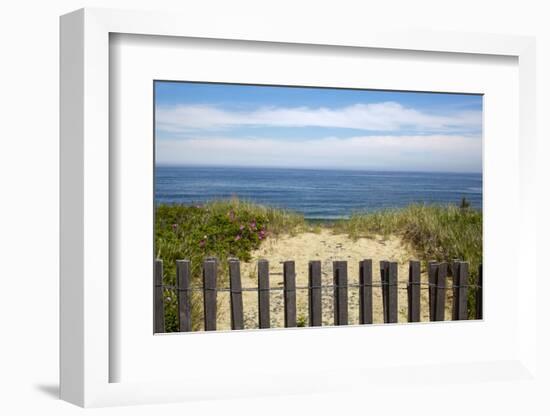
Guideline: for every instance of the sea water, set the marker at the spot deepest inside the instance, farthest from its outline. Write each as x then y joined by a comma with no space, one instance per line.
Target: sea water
318,194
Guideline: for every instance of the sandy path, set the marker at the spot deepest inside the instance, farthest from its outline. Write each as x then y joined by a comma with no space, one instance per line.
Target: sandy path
326,247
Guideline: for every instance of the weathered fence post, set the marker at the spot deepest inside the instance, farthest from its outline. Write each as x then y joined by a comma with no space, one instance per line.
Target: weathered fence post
413,292
391,300
209,273
236,291
263,293
479,294
455,271
183,272
440,292
432,278
314,280
462,292
365,292
340,278
289,277
384,268
159,298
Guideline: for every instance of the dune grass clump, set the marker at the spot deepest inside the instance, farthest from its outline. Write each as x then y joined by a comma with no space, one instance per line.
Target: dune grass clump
438,232
223,229
435,232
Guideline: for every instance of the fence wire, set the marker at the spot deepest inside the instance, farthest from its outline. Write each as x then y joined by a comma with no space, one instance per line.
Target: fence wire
401,285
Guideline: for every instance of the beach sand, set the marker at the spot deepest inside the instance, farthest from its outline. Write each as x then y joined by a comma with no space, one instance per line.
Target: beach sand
326,247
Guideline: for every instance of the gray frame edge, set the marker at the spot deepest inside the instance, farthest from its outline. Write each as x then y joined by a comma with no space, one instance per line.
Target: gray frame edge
71,214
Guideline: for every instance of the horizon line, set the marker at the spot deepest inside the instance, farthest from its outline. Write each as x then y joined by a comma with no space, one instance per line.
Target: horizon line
176,165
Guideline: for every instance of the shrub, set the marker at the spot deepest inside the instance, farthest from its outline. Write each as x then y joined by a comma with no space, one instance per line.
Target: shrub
223,229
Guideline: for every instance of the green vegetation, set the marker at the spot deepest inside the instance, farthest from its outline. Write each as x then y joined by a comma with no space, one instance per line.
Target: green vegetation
441,233
225,228
301,321
435,232
234,228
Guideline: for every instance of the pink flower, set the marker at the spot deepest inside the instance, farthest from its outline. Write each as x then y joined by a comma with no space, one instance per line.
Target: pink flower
253,225
238,237
241,227
174,226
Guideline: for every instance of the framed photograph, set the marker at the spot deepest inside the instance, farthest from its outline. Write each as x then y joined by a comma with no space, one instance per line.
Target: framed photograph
268,198
274,212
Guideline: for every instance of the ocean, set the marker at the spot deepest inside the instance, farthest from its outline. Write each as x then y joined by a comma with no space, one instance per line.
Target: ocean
318,194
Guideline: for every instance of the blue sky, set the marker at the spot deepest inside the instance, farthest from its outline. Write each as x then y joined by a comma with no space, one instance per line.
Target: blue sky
246,125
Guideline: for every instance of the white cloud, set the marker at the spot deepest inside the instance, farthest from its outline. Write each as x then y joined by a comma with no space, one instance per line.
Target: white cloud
385,116
429,153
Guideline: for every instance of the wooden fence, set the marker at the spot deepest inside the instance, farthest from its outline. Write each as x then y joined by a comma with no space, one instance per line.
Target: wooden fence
389,284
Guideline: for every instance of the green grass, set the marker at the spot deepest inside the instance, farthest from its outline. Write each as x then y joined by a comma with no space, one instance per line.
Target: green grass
223,228
434,232
441,233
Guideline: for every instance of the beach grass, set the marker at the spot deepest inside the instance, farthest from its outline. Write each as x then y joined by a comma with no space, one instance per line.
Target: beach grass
235,228
434,232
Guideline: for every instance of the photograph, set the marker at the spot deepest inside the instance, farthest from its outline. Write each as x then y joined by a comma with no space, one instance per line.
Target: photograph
298,206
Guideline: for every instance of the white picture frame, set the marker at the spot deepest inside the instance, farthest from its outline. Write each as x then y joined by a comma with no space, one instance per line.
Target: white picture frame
87,356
